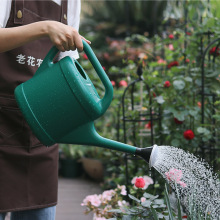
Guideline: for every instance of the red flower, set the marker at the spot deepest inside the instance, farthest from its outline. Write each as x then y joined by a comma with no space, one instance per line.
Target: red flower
173,63
188,134
148,125
187,60
214,51
177,121
123,83
85,57
171,36
139,183
185,216
154,95
199,104
113,83
104,68
167,84
188,33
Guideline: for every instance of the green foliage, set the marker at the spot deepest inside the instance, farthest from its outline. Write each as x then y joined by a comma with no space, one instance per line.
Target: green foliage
180,101
72,151
118,18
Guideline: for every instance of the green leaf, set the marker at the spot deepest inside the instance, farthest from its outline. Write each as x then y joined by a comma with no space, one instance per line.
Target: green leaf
203,131
149,196
175,142
146,203
188,79
180,115
158,201
179,84
134,198
115,211
159,99
194,112
154,213
168,203
214,74
126,217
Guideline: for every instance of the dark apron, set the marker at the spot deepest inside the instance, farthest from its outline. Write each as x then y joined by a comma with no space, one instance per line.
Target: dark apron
28,170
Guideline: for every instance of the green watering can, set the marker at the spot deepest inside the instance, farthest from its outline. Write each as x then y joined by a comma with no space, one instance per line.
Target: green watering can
60,104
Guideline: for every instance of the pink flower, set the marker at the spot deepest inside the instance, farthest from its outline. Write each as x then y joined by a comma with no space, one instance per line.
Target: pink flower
148,125
93,200
182,184
113,83
104,68
85,56
122,203
161,61
107,195
188,134
143,199
175,175
171,47
167,84
123,83
123,190
148,181
145,180
106,55
139,183
187,60
171,36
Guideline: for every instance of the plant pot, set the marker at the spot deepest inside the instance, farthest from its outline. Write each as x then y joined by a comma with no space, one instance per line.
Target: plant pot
93,167
70,168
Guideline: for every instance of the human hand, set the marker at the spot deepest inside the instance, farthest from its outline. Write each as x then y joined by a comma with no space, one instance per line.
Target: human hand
64,37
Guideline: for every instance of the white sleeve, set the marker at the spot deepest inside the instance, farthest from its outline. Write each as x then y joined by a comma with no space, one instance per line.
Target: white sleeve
5,12
73,18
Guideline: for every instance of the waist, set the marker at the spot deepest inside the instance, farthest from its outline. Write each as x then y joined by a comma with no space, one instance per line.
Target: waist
8,101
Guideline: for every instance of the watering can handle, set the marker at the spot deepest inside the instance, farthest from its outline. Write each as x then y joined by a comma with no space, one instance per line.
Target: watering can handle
106,100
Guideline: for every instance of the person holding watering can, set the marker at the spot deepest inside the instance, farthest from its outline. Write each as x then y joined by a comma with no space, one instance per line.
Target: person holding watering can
28,169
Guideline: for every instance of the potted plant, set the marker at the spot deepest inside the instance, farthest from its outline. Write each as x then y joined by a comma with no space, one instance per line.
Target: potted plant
69,160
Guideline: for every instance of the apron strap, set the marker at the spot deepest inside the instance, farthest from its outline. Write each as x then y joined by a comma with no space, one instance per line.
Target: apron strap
19,11
64,12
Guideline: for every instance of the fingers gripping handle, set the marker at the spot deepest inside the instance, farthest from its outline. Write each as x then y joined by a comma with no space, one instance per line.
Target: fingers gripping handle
106,100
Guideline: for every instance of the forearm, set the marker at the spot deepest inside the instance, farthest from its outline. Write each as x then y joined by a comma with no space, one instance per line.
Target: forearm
11,38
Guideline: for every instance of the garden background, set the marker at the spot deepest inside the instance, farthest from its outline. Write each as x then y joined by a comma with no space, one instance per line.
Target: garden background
162,58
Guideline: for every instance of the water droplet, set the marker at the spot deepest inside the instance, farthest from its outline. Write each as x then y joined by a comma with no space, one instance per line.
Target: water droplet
195,180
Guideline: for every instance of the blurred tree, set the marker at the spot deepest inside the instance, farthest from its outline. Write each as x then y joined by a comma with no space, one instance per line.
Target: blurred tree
118,19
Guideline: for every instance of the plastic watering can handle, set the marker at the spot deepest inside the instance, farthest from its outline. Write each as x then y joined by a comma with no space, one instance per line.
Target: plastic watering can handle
106,100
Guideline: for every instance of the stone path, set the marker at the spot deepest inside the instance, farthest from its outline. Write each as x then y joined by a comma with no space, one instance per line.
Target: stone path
71,193
70,196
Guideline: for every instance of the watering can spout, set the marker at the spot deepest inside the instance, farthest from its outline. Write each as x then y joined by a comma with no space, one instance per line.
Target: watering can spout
149,154
87,135
145,153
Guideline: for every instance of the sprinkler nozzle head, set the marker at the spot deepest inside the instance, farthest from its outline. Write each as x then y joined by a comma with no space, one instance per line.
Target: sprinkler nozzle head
148,154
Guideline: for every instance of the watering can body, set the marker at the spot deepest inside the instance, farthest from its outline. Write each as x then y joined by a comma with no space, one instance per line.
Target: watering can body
60,103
